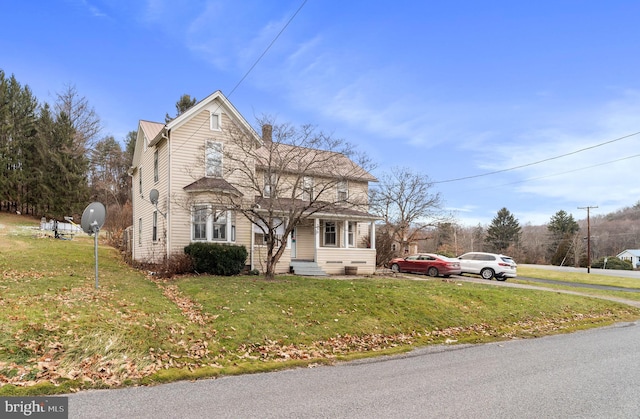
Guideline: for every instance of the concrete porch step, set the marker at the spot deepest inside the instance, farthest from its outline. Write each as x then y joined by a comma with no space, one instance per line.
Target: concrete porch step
307,268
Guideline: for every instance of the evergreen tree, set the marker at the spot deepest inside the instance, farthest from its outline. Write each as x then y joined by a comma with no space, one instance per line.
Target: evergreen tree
562,227
503,231
182,105
17,129
69,170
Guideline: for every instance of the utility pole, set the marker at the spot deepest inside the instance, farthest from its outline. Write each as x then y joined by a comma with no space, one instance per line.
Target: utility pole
588,238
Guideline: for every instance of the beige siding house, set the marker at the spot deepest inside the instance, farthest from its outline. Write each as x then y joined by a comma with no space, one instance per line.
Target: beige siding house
216,180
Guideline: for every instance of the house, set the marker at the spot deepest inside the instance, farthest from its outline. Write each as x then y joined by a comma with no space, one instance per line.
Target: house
632,255
208,176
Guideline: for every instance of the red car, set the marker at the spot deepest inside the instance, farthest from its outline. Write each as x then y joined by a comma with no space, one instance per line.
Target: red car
426,263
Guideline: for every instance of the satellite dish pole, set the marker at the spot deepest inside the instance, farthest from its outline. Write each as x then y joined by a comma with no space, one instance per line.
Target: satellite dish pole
92,221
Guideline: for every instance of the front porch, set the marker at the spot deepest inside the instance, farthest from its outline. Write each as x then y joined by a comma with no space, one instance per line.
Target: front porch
334,246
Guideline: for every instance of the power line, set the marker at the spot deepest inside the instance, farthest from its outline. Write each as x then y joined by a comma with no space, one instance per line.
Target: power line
571,171
250,68
537,162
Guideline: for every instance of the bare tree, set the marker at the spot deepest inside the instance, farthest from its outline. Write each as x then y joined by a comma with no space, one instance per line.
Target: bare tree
408,205
82,116
287,178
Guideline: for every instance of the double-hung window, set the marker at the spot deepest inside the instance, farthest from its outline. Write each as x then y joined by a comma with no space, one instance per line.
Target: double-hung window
154,228
209,224
261,230
200,215
219,231
307,188
330,233
270,182
213,159
343,190
155,166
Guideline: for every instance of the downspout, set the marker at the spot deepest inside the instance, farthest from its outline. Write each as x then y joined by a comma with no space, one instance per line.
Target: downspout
252,250
168,217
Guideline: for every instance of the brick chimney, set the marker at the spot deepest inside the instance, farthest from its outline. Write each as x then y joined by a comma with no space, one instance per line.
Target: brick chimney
267,133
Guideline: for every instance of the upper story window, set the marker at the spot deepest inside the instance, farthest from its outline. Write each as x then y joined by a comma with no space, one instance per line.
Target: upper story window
270,182
140,180
155,166
307,188
213,159
214,121
343,190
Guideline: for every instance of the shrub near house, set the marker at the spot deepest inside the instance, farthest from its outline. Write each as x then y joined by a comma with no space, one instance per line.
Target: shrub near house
612,263
217,259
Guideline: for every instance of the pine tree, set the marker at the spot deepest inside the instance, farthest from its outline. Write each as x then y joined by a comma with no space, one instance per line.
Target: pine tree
17,129
562,227
503,231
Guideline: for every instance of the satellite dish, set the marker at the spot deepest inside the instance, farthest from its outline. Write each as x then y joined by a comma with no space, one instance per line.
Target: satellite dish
93,217
153,196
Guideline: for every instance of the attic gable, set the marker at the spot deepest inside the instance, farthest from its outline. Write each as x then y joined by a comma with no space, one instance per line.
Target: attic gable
214,103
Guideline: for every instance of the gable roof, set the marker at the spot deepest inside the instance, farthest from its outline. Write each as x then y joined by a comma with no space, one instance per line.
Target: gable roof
155,131
210,102
634,252
148,131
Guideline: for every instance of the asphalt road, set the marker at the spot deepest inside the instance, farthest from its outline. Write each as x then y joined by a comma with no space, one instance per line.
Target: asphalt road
590,374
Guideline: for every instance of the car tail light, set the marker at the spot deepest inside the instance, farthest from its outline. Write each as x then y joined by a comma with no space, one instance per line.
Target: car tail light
504,264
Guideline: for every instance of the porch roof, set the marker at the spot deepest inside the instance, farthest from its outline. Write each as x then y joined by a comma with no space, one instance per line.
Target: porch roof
212,184
316,209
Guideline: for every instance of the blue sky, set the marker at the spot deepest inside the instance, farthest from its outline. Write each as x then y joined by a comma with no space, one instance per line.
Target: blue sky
451,90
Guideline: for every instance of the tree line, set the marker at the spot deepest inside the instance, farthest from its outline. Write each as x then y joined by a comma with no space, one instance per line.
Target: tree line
53,161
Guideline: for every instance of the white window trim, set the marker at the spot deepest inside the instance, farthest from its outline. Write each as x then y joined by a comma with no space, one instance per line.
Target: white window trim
156,169
342,186
229,230
270,182
217,116
258,232
218,173
335,234
154,227
307,188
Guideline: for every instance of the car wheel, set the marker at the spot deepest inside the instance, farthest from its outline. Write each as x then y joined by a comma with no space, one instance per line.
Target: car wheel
501,278
395,268
487,273
433,271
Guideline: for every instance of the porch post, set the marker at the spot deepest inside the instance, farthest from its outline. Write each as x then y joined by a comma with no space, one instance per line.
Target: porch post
345,233
316,236
372,234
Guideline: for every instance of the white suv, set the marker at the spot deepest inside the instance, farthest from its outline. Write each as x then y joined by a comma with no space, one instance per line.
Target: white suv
488,265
